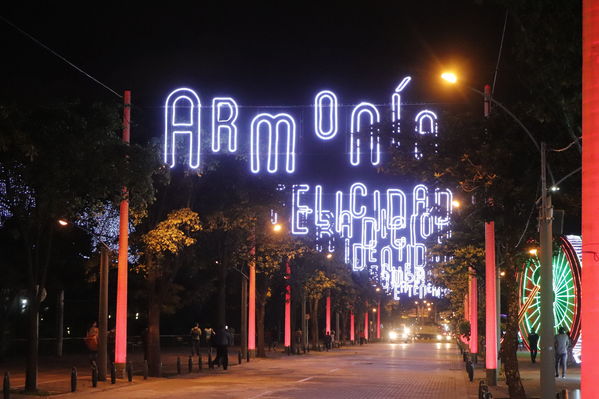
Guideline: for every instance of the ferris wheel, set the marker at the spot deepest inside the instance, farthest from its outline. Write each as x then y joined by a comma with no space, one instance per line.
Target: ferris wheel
566,288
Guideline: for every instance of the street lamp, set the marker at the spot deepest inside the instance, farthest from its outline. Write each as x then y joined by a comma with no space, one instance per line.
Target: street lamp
102,362
492,283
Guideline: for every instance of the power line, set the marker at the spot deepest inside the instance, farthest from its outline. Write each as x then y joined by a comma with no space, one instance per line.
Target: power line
39,43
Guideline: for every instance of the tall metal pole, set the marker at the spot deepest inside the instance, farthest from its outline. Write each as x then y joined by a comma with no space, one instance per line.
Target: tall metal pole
244,317
473,294
59,322
103,316
366,324
589,375
120,349
491,308
287,305
378,319
252,305
328,314
352,327
547,324
304,320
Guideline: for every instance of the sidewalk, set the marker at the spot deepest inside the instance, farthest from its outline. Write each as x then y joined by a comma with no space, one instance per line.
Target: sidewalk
530,378
54,376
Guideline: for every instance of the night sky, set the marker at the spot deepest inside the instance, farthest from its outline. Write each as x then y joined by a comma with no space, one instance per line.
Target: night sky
266,53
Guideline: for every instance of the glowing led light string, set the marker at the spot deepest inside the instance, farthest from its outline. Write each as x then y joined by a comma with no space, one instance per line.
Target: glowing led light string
373,230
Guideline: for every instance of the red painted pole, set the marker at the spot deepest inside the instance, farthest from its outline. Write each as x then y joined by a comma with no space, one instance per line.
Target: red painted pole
473,294
352,327
590,199
378,320
287,305
252,303
366,325
120,348
328,314
491,307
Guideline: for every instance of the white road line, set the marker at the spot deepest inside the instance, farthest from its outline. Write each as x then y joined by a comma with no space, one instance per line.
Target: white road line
306,379
333,370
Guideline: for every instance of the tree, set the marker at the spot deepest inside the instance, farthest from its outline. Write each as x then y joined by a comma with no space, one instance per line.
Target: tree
58,161
163,247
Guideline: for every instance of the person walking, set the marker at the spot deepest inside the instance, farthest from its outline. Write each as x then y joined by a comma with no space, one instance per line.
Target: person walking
222,340
561,344
208,333
196,335
91,342
533,342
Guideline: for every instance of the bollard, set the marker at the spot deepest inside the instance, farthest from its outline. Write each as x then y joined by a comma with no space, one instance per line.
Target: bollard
239,357
248,356
6,387
113,374
190,364
73,379
199,363
94,375
129,368
288,351
145,369
178,365
210,365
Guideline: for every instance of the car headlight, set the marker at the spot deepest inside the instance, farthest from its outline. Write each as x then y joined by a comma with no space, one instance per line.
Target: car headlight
392,335
439,337
447,337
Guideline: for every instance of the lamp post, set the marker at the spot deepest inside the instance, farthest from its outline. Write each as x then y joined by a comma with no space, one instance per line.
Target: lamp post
102,362
545,227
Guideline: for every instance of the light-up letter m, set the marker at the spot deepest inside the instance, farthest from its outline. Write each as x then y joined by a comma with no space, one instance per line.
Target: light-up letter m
182,117
271,127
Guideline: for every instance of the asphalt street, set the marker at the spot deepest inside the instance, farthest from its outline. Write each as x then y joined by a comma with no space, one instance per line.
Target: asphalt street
415,370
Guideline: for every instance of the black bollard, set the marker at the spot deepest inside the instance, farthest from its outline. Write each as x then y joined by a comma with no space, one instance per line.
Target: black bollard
210,365
199,363
178,365
190,364
6,387
239,357
145,369
248,356
94,375
129,368
73,379
113,374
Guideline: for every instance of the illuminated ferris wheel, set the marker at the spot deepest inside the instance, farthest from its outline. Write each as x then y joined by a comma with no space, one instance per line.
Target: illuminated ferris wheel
566,287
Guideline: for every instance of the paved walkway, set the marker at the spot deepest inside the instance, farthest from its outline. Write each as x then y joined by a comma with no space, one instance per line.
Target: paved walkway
416,370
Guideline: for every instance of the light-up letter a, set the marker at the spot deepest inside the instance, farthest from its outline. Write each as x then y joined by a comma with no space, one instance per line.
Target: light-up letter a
224,122
182,117
267,126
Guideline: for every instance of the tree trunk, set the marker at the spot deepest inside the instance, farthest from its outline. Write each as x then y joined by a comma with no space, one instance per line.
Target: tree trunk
510,342
314,321
32,344
260,312
153,340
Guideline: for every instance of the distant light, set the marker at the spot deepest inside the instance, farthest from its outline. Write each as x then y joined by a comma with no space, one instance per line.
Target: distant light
455,204
329,255
502,274
374,310
24,301
554,188
63,222
136,316
378,289
533,251
449,77
277,227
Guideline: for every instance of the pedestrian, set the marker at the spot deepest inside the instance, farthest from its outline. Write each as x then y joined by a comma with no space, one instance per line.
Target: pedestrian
196,335
91,342
208,333
561,344
332,338
533,342
362,337
327,340
298,338
222,341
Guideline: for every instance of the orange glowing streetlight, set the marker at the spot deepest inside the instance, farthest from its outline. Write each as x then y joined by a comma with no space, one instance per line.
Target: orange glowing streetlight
449,77
533,251
277,227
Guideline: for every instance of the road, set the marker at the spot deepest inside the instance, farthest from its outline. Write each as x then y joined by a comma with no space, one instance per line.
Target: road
415,370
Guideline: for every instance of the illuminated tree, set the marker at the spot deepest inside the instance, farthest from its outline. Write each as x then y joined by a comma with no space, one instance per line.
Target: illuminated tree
163,246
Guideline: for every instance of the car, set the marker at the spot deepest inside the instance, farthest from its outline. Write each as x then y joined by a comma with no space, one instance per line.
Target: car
401,334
